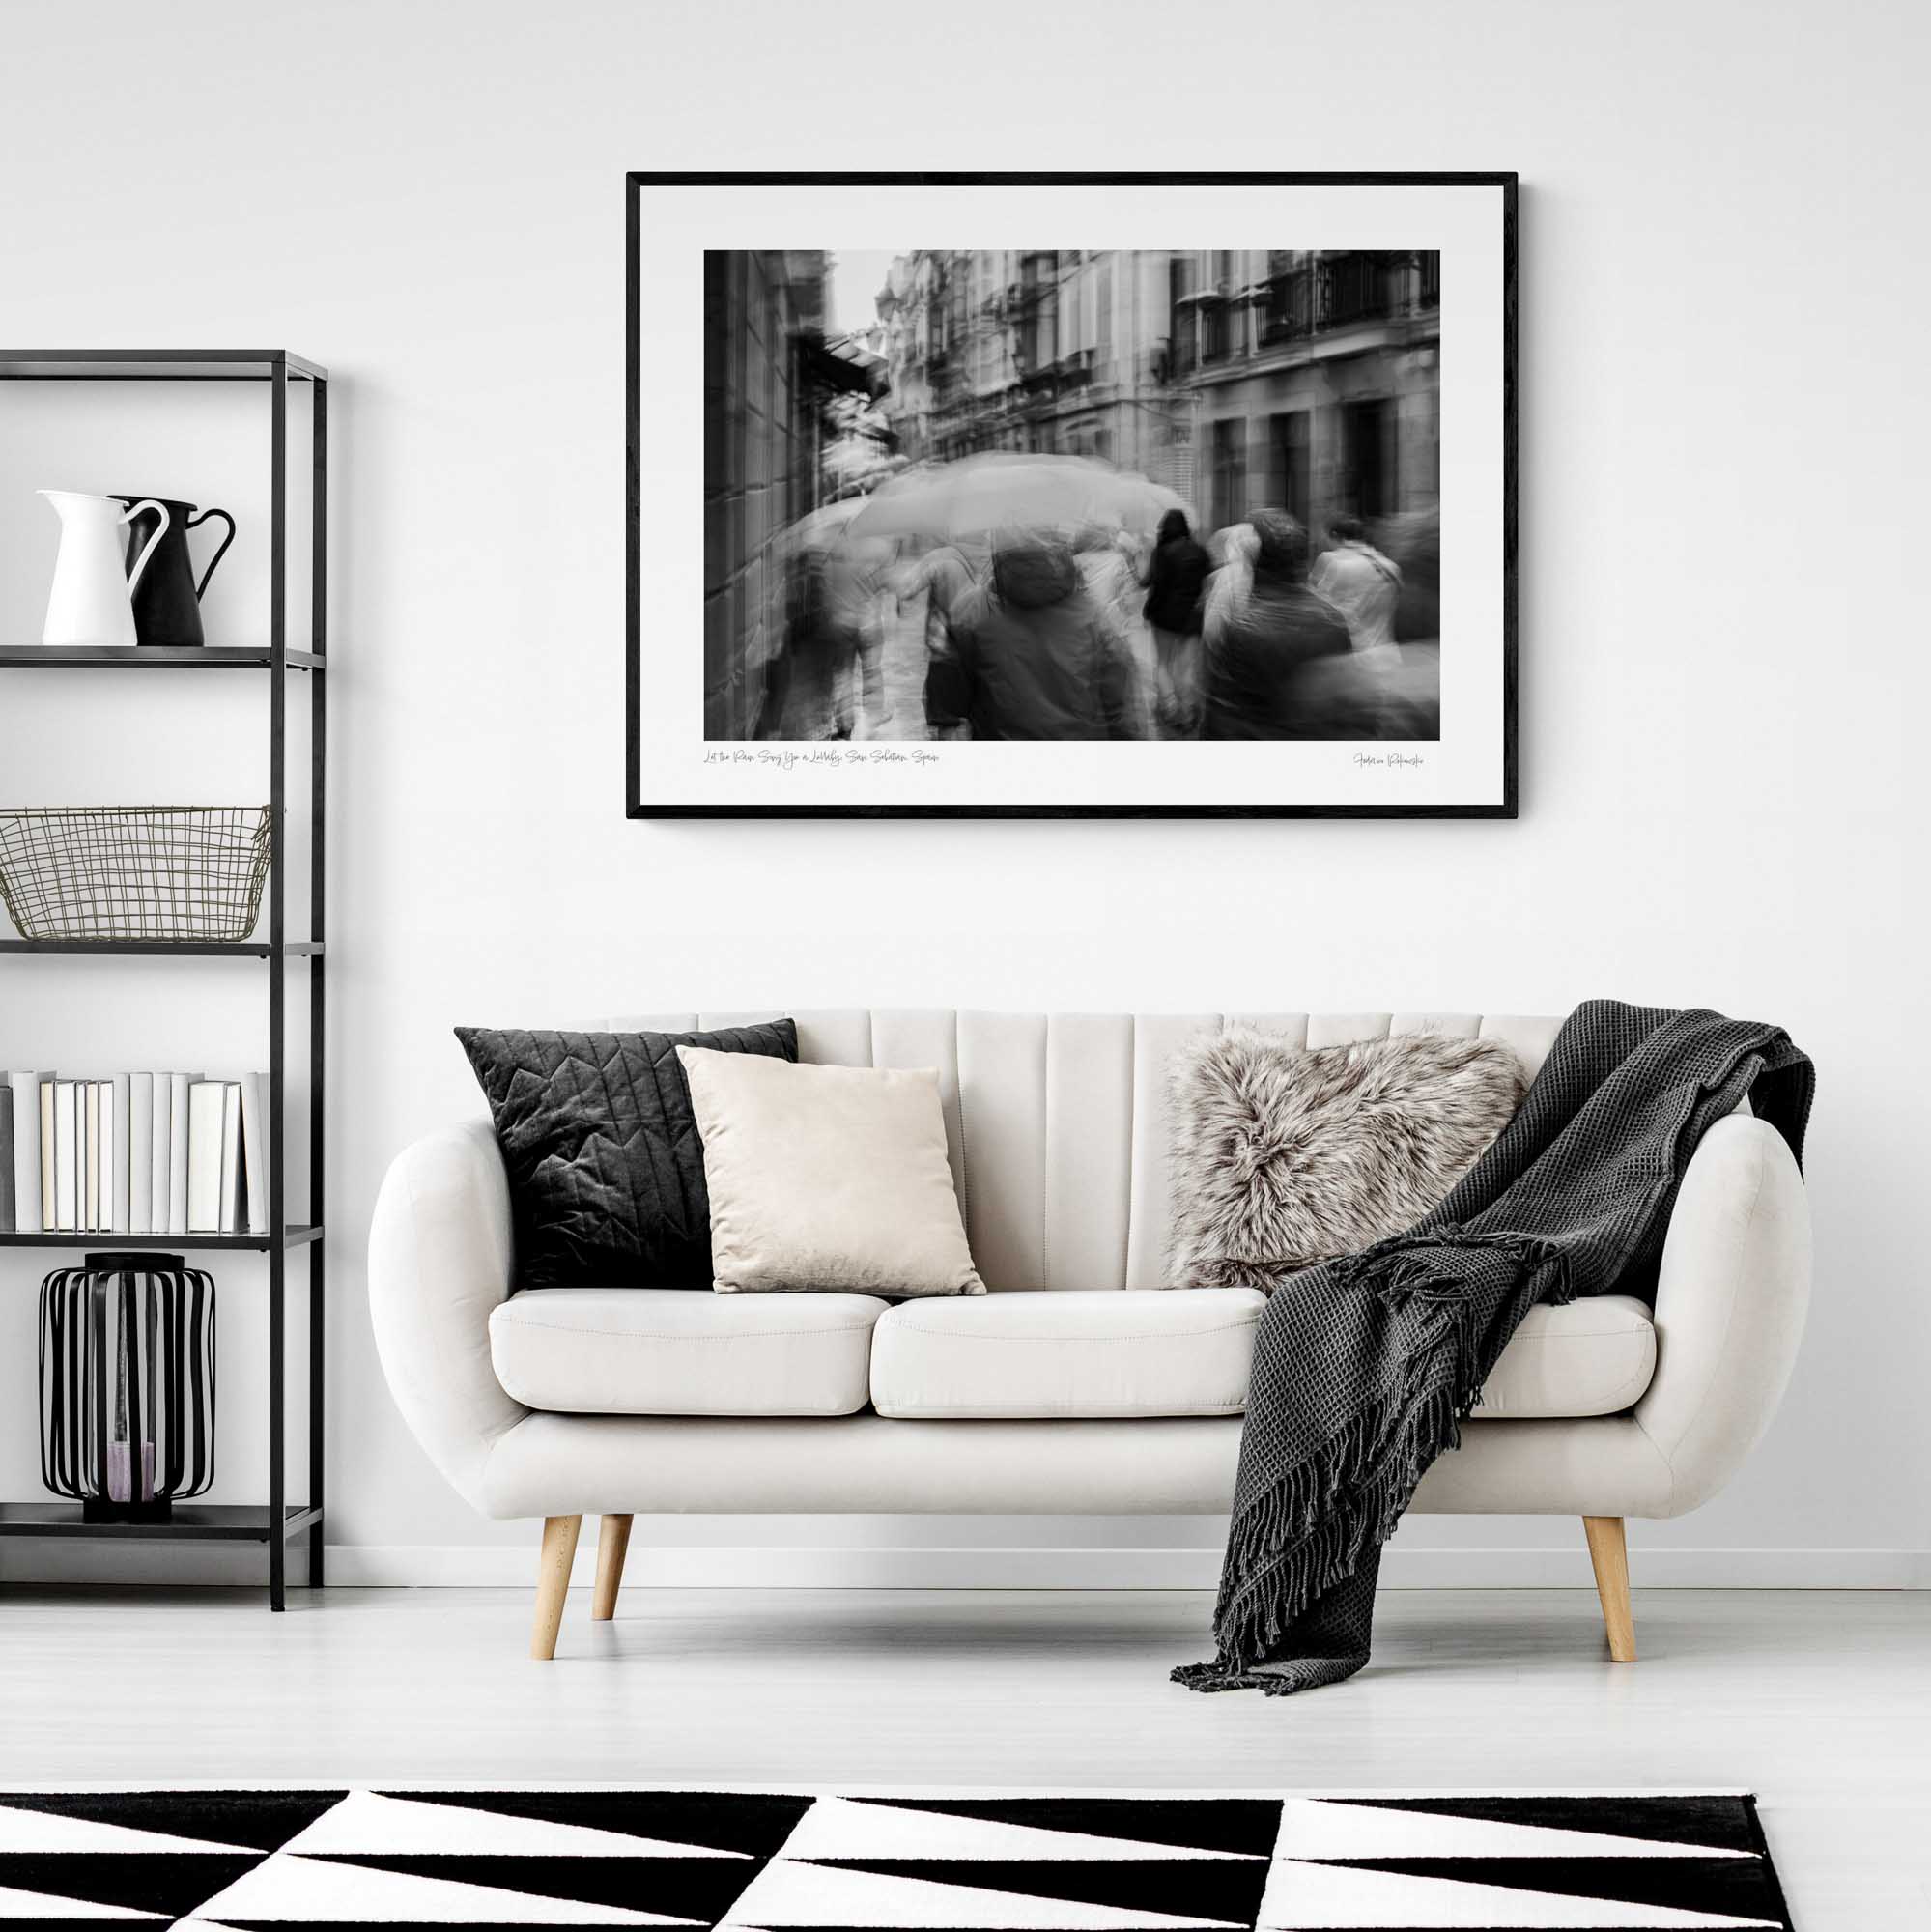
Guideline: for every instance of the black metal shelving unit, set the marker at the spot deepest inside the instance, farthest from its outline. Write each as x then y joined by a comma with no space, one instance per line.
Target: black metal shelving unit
277,1521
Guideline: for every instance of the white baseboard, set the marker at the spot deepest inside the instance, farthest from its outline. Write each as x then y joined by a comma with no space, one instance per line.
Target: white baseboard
460,1566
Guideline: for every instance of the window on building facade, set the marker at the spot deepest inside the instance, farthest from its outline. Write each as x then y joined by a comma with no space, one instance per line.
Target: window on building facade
1290,309
1367,457
1290,465
1038,311
1213,335
1358,287
1179,317
1230,472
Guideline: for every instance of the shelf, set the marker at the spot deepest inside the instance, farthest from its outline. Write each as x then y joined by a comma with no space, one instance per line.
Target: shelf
193,1523
298,1236
150,948
263,646
153,657
156,365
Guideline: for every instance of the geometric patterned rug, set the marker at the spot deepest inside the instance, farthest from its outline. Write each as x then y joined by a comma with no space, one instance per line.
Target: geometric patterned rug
774,1861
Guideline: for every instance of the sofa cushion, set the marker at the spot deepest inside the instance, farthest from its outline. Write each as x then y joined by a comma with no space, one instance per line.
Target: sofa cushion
1592,1357
1282,1158
1162,1352
664,1351
1073,1352
831,1178
606,1170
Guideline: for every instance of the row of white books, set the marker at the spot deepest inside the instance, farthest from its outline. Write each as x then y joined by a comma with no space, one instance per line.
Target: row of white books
135,1153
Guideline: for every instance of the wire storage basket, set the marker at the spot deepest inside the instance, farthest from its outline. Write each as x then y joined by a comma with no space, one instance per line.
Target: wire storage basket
151,871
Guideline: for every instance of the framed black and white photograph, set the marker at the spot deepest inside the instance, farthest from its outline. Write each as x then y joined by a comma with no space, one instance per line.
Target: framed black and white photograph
921,524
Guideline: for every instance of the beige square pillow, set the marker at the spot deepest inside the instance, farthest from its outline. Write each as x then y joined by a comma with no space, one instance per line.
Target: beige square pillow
827,1178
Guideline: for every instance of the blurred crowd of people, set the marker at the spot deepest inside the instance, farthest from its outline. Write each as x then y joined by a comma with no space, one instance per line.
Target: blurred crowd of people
1092,634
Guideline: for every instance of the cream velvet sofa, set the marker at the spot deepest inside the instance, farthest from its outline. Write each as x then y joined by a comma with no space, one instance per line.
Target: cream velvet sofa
1083,1384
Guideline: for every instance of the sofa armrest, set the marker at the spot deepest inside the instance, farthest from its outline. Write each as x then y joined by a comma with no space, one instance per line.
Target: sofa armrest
440,1256
1731,1297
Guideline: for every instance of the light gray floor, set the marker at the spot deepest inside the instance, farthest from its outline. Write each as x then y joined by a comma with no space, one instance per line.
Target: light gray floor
1821,1702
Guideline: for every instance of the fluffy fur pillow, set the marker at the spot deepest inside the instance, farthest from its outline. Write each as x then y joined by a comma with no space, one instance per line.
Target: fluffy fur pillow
1282,1158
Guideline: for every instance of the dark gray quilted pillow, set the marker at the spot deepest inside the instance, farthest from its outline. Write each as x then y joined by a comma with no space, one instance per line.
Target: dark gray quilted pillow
606,1167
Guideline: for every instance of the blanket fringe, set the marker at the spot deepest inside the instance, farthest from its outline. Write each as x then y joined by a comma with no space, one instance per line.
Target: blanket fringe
1312,1529
1222,1676
1400,1268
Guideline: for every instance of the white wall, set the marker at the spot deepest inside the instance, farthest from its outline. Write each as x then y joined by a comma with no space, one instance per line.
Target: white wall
1723,441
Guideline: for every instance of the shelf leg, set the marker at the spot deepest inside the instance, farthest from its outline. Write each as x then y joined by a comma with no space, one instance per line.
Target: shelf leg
277,1422
277,986
318,879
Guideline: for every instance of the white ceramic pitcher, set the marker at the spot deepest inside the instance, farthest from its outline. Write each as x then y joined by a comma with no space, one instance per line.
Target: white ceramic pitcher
91,601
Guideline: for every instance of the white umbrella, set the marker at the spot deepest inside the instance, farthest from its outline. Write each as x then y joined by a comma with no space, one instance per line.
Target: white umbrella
1004,489
824,527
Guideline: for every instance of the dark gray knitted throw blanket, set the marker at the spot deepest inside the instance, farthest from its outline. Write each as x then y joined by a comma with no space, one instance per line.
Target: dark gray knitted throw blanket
1364,1367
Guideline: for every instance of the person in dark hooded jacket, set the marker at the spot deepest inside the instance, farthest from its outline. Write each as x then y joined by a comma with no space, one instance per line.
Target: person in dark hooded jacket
1264,672
1036,658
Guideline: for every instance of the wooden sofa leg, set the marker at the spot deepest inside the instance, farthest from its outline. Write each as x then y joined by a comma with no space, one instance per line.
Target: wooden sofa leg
553,1582
1609,1554
612,1543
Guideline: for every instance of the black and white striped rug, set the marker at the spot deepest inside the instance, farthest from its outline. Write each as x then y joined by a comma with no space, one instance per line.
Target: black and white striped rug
774,1861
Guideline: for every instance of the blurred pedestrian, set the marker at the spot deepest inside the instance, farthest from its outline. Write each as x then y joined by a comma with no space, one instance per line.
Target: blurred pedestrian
1233,552
1103,556
1176,581
1038,658
948,582
1360,582
831,648
1108,562
1262,675
1413,541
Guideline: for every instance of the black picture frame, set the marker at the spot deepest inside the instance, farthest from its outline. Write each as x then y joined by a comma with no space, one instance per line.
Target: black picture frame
635,180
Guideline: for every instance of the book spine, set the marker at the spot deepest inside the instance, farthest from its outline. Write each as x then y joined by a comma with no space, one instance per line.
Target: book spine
254,1152
162,1135
120,1143
207,1100
179,1087
67,1157
24,1091
231,1157
6,1220
140,1153
49,1143
90,1210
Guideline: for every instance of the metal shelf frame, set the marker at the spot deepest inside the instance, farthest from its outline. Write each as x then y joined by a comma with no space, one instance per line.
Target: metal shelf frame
191,1523
277,1523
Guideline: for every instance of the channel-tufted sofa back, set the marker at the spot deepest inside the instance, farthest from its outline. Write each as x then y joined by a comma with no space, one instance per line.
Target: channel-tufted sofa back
1056,1122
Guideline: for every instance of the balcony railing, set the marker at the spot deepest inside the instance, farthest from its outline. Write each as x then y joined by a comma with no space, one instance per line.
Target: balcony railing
1336,291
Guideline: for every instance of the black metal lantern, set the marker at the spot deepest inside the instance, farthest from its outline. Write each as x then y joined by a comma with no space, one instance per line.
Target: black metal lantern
128,1385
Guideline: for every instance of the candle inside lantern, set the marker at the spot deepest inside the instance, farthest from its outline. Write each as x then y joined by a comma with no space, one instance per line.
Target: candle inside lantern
120,1467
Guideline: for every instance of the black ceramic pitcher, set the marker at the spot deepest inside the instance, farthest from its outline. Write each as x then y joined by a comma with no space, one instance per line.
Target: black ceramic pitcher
167,600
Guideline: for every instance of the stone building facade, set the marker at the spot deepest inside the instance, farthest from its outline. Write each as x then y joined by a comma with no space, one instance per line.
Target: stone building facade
1298,379
763,309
